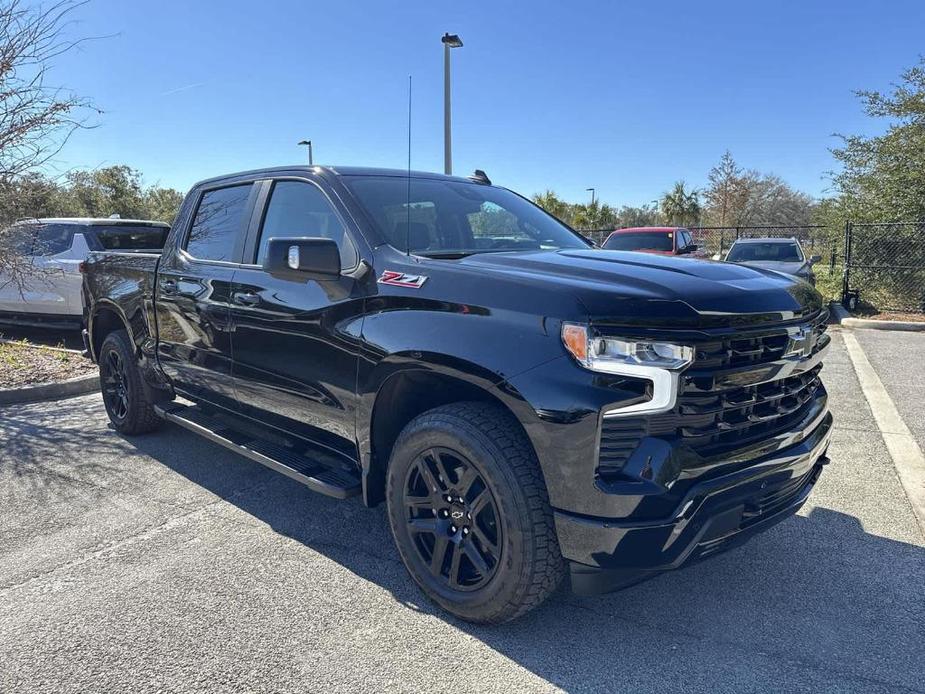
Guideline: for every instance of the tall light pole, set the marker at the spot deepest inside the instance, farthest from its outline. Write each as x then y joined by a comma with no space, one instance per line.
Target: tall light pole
449,41
592,195
310,159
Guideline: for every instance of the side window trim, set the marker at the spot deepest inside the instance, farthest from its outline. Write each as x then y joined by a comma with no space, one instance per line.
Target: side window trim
249,252
238,249
260,213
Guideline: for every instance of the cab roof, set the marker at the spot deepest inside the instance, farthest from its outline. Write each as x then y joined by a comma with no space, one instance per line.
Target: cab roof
647,230
767,239
332,171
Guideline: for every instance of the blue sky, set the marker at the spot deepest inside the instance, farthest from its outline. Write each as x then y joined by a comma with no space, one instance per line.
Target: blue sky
626,97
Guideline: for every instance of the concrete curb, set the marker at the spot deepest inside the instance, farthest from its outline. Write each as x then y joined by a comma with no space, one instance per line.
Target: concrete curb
843,318
51,391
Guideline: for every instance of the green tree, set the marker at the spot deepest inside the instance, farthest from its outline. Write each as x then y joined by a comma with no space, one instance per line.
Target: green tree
118,190
162,204
554,205
644,216
681,206
594,215
107,191
31,195
98,193
882,177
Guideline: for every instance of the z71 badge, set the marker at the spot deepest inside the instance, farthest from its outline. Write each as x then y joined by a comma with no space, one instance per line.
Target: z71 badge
400,279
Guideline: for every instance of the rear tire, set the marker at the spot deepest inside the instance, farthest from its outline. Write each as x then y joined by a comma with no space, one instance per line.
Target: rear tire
470,513
127,401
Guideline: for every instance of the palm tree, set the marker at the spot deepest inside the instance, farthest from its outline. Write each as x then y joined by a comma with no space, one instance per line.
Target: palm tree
594,216
680,206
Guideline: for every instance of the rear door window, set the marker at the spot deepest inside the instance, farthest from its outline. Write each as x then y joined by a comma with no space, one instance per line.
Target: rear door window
51,239
219,223
131,237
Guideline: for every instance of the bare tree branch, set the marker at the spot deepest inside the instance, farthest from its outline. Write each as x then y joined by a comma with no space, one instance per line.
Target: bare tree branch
36,119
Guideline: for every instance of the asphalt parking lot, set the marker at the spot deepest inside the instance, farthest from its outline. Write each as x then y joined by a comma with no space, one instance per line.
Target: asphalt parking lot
164,563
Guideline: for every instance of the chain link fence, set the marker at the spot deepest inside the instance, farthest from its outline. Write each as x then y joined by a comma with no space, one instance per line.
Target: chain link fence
872,266
886,267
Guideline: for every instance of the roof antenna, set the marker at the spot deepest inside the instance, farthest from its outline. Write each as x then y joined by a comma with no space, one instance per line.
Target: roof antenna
408,208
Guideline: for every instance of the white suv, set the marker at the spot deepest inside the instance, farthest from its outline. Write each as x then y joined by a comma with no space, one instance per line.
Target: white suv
52,296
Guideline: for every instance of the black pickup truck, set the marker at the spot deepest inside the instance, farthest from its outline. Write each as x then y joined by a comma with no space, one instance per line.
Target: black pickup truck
526,405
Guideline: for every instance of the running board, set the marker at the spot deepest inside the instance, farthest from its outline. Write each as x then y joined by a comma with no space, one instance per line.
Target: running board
323,472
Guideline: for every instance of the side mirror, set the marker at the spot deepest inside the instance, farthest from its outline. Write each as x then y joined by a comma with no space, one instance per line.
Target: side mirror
815,259
314,257
693,247
717,256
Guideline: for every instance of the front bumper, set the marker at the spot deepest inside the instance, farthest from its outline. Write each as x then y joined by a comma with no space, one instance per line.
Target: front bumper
714,515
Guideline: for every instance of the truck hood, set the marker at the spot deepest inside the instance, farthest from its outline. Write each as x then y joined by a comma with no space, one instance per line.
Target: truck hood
650,290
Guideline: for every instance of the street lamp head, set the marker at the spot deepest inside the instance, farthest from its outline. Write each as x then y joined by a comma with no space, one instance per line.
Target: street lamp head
452,40
305,142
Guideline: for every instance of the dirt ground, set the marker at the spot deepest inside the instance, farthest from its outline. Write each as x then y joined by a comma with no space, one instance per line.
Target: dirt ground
24,364
890,315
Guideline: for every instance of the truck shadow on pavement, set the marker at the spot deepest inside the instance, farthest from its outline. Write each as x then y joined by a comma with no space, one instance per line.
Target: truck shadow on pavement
815,602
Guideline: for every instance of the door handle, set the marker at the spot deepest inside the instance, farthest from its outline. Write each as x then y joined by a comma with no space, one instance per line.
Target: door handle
246,298
169,287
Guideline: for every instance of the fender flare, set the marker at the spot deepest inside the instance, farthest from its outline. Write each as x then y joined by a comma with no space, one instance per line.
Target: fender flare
480,382
110,307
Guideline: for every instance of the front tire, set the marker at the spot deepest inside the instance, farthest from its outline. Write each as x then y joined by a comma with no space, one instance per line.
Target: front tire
127,402
470,513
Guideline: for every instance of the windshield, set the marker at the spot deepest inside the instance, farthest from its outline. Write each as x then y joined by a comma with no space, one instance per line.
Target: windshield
766,252
650,241
454,218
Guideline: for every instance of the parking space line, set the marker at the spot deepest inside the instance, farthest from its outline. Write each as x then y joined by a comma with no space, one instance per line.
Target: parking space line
902,446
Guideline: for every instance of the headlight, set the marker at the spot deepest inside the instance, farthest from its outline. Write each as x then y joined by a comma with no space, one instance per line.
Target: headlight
658,362
612,355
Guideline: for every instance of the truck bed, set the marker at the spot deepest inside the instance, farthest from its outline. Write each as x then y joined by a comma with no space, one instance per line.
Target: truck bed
123,279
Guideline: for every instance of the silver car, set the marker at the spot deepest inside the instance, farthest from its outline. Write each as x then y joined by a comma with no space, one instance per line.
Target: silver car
51,294
782,255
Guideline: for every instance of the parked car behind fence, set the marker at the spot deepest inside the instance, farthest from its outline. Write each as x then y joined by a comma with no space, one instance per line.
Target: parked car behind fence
781,255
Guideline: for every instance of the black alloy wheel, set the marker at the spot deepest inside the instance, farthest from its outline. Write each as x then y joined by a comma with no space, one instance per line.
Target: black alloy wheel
129,403
114,383
470,513
453,519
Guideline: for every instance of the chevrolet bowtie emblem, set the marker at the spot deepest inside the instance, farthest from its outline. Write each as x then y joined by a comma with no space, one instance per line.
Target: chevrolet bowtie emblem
801,341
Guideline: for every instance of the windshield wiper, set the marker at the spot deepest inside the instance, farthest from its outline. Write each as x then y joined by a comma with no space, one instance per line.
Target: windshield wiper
444,255
455,254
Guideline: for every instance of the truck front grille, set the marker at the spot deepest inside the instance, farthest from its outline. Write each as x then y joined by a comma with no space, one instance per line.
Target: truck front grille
712,420
741,350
